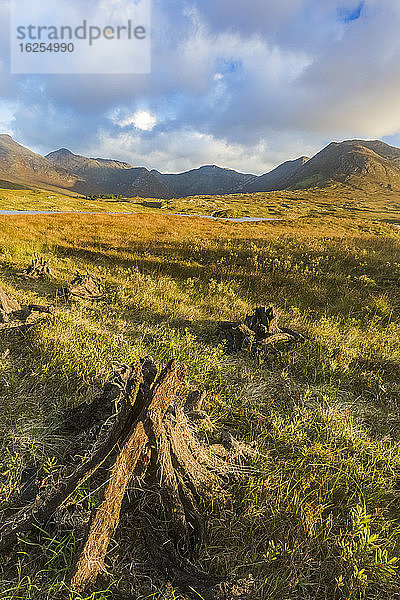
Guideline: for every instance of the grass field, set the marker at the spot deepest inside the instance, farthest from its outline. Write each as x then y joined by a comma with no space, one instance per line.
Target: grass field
317,515
335,201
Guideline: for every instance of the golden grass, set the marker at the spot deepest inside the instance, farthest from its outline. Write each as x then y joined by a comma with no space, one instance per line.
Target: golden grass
317,516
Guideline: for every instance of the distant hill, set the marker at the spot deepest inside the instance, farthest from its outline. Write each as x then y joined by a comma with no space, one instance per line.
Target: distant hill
277,178
207,180
106,176
18,165
352,162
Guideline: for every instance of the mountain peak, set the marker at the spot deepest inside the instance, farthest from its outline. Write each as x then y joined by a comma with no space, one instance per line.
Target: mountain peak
372,163
207,180
20,165
61,153
8,141
364,162
108,176
64,151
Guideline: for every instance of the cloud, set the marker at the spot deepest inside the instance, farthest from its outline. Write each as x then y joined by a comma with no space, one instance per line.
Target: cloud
185,149
6,117
141,119
243,85
354,86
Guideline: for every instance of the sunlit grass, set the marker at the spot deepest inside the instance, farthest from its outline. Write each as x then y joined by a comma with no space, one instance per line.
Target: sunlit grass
317,514
335,201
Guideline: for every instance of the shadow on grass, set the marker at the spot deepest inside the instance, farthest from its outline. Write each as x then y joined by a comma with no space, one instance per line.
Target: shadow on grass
323,292
317,295
44,287
8,185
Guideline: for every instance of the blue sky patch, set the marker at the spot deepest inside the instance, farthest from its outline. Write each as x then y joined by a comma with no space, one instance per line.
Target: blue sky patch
347,15
228,66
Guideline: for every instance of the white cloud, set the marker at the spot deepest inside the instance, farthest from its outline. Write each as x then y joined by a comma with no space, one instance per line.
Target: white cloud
185,149
6,117
141,119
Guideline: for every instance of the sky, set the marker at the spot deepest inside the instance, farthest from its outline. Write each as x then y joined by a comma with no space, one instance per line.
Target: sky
244,84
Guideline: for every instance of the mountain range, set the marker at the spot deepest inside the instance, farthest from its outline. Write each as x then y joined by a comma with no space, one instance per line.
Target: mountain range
110,176
373,164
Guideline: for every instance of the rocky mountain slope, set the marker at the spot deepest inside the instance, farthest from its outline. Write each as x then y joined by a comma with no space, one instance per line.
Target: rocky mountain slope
353,162
111,176
275,179
207,180
19,165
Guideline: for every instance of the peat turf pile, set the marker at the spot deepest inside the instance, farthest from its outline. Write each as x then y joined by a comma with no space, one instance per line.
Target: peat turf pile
39,268
11,311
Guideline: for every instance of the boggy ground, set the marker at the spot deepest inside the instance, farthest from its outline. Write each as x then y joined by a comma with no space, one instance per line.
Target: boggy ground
335,201
317,514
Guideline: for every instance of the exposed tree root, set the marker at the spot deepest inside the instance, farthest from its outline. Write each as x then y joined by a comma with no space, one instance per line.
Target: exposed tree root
259,330
11,311
86,287
8,305
141,429
194,582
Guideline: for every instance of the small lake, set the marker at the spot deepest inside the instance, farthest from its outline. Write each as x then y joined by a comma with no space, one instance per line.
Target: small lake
83,212
55,212
233,219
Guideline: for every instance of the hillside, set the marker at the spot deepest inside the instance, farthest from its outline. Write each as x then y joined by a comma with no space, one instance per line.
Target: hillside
106,176
369,165
19,165
276,179
208,179
353,162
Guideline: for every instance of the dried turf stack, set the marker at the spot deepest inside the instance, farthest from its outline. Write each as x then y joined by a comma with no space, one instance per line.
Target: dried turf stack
10,309
38,268
151,436
258,330
86,287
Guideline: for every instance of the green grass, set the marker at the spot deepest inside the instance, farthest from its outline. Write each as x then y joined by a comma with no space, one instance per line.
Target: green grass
317,514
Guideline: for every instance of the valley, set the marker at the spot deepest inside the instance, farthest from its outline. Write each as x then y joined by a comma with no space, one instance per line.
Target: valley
322,415
320,484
